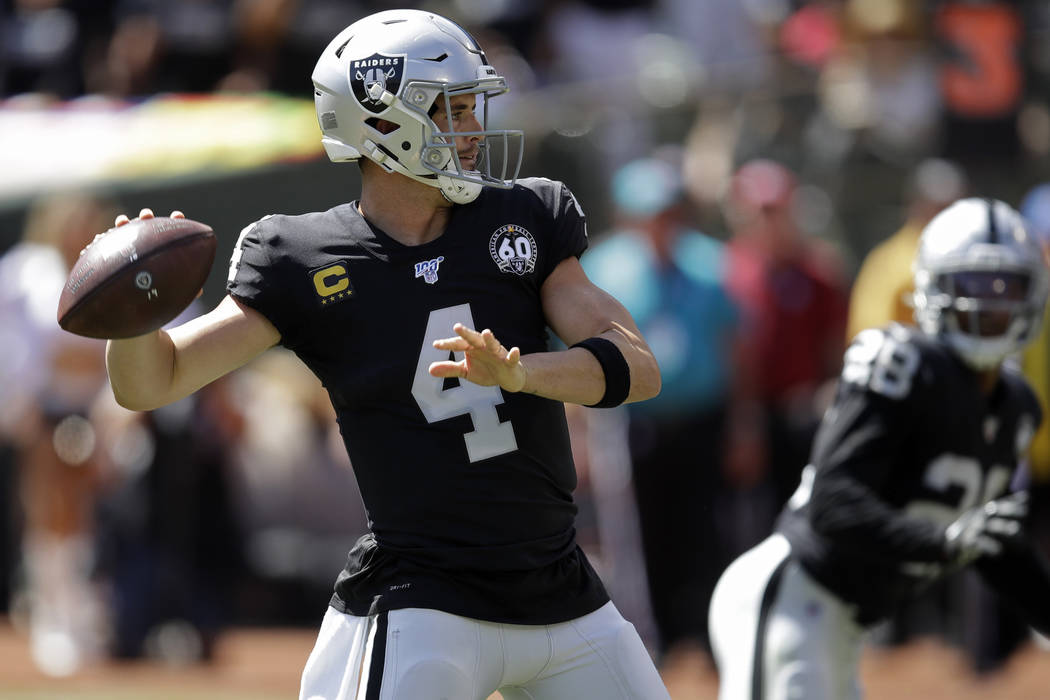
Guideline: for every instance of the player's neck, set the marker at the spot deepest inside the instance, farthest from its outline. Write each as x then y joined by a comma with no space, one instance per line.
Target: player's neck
987,379
408,211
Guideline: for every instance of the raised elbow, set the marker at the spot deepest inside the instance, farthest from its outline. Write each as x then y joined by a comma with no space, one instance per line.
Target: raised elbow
645,380
131,402
653,380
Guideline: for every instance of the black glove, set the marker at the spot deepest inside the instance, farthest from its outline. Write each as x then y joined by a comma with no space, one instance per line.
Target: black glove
986,529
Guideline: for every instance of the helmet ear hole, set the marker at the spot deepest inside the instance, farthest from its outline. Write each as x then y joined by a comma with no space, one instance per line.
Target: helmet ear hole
383,126
405,146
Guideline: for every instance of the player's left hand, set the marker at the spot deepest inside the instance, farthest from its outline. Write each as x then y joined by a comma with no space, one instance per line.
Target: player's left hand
485,362
987,529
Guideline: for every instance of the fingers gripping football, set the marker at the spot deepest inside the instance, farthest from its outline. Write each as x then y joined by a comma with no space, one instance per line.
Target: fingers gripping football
145,213
987,529
485,360
137,276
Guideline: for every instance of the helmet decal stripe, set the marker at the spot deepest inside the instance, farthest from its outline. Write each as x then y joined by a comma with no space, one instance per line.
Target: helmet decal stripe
993,231
474,45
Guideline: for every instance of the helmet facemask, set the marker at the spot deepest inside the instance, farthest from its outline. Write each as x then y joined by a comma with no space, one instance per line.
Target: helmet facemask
980,282
985,315
440,155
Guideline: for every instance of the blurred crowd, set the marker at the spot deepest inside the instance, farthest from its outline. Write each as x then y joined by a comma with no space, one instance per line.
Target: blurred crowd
724,151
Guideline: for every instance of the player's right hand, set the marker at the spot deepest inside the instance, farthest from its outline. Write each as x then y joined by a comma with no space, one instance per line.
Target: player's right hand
123,219
146,214
987,529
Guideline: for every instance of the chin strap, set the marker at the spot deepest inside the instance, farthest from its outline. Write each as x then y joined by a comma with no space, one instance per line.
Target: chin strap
459,191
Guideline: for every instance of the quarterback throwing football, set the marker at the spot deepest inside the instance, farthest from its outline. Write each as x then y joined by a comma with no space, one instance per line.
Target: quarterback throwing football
910,472
470,580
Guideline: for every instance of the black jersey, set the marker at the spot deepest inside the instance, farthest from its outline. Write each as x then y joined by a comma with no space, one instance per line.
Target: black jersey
468,489
909,443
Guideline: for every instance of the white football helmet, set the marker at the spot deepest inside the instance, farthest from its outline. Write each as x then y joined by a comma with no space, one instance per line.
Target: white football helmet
980,281
393,65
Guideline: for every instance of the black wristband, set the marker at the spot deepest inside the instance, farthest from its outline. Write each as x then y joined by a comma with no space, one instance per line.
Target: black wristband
615,368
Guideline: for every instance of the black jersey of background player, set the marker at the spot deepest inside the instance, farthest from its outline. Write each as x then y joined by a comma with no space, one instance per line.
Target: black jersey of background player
909,434
468,489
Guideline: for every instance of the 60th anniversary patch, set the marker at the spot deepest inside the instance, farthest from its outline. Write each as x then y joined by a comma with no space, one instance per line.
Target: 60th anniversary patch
513,249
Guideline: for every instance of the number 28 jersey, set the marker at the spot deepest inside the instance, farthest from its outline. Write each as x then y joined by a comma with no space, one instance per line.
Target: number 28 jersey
909,443
468,489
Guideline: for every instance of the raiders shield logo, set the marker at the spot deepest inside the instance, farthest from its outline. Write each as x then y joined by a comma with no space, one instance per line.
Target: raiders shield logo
371,77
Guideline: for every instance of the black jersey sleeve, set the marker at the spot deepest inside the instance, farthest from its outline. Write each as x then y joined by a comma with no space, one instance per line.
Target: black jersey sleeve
862,445
568,232
1021,575
255,281
846,504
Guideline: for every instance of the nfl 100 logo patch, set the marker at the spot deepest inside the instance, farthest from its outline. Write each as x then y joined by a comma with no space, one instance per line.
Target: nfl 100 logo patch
428,269
513,249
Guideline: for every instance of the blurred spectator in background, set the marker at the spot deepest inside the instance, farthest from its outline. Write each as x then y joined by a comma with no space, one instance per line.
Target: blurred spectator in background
128,48
982,78
792,288
880,81
884,285
672,280
50,380
167,539
1035,363
43,43
1035,208
296,495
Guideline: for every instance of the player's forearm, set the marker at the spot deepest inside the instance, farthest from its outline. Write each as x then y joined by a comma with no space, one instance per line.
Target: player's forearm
162,367
141,370
576,376
852,515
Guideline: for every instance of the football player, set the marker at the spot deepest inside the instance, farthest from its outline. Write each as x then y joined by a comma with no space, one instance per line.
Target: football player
423,307
910,474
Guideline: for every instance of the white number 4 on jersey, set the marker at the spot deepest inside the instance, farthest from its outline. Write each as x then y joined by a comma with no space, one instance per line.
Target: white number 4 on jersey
490,437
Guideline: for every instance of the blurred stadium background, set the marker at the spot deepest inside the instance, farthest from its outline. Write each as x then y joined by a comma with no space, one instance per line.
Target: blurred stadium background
190,552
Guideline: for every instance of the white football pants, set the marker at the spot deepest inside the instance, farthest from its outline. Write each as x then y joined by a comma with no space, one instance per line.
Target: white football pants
779,635
419,654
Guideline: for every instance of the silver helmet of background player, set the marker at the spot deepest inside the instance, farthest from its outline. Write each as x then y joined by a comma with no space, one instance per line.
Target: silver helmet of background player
393,66
980,281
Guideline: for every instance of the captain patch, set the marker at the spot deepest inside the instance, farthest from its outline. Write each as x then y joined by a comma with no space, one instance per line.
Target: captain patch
332,283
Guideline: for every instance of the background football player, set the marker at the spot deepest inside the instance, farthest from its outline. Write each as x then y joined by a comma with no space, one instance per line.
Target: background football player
470,579
910,472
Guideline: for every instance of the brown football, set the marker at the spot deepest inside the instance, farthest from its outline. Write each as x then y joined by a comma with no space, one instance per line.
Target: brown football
136,277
